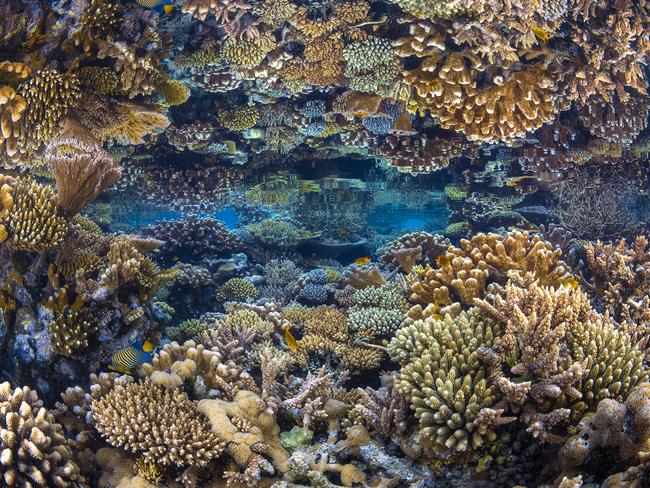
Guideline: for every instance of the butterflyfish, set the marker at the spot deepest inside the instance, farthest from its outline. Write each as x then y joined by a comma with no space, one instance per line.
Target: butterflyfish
292,344
364,260
128,358
570,282
541,34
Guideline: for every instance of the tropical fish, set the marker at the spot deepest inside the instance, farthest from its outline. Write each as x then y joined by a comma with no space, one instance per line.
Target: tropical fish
175,258
541,34
128,358
443,261
570,282
437,316
361,115
291,340
160,6
364,260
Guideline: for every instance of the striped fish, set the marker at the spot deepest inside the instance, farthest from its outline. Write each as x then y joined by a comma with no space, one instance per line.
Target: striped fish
128,358
160,6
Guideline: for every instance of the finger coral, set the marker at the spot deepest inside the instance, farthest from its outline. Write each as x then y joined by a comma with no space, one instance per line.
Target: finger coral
12,109
49,96
445,383
34,450
35,222
162,425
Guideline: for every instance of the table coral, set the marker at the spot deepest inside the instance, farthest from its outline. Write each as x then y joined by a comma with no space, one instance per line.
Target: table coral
162,425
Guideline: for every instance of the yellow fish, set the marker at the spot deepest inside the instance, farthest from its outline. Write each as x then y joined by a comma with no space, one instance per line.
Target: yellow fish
443,261
291,340
128,358
365,260
361,115
437,316
541,34
571,282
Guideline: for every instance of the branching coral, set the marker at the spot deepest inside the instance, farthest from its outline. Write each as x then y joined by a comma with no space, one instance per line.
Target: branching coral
378,311
34,222
444,381
237,289
239,118
12,110
162,425
198,368
34,449
326,333
410,248
482,257
48,96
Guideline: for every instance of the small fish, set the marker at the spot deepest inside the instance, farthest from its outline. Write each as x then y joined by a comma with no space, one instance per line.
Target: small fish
175,258
361,115
437,316
541,34
160,6
570,282
364,260
128,358
443,261
291,340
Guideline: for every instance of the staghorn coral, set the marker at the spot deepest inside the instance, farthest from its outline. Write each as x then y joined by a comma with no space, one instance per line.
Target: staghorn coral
413,247
444,381
34,223
162,425
81,171
481,257
570,355
35,452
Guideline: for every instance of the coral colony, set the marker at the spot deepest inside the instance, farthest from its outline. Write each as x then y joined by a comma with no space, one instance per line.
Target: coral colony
324,243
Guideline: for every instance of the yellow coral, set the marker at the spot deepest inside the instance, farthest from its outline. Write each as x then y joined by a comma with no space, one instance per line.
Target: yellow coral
239,118
34,223
12,110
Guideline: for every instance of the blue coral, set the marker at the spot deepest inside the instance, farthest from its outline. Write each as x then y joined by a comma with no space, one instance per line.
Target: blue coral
313,294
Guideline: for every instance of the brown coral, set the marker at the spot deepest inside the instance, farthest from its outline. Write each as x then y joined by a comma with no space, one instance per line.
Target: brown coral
34,450
35,222
82,172
162,425
12,110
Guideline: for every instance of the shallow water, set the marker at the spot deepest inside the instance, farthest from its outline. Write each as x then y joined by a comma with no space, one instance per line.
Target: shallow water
291,243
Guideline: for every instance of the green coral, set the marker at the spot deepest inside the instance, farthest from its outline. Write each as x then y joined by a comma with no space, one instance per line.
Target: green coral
237,290
377,309
444,381
371,66
193,327
278,233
